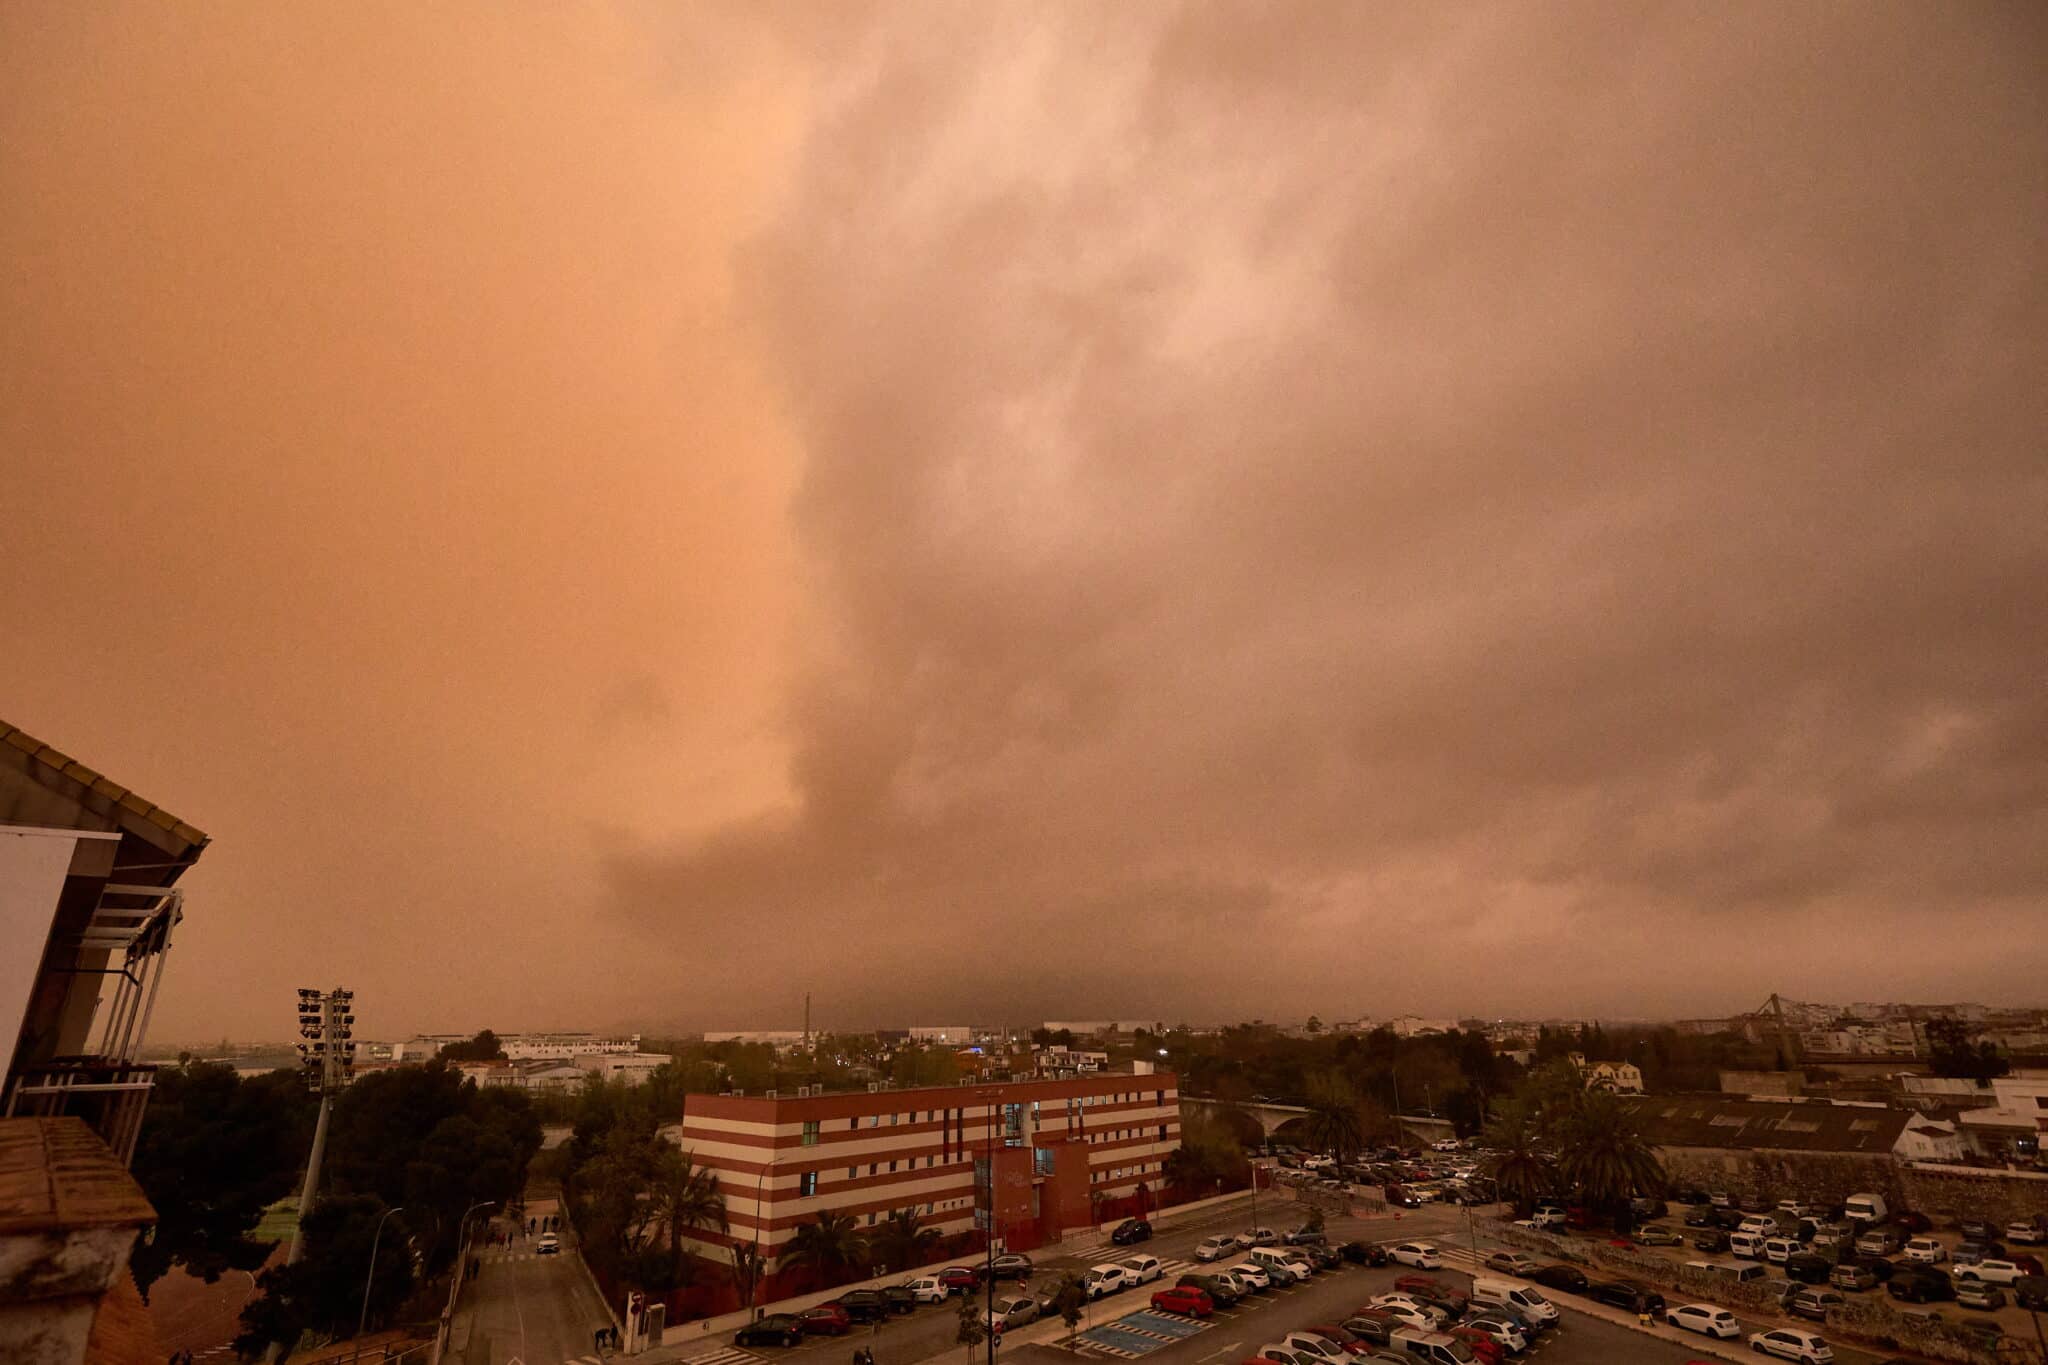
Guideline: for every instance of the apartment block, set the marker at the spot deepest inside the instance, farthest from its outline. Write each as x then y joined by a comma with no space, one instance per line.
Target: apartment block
1059,1154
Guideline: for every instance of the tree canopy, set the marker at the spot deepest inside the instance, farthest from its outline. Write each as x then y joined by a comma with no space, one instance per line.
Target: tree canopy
322,1296
1953,1050
482,1048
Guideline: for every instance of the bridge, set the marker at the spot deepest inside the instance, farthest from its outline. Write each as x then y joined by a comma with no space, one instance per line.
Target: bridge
1270,1117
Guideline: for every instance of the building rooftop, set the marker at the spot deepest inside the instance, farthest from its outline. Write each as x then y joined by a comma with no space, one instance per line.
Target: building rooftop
1727,1121
66,777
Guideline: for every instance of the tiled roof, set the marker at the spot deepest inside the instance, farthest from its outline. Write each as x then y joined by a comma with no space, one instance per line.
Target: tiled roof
54,761
56,1174
1756,1125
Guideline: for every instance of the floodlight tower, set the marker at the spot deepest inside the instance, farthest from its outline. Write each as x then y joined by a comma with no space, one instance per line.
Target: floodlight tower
328,1056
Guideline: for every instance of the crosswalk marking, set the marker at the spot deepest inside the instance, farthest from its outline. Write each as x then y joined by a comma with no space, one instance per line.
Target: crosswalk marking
724,1355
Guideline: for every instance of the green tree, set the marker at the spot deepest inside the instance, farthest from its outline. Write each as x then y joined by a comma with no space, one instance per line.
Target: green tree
1604,1154
828,1247
1069,1299
685,1196
973,1328
1333,1121
1314,1025
215,1151
903,1241
1518,1164
1952,1050
322,1295
482,1048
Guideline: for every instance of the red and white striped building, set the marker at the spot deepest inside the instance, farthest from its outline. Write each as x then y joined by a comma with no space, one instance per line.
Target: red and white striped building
1064,1154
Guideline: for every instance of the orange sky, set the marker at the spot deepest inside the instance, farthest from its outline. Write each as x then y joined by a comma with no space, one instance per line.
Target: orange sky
625,515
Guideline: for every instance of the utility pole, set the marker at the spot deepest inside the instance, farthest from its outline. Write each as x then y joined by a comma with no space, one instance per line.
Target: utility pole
327,1023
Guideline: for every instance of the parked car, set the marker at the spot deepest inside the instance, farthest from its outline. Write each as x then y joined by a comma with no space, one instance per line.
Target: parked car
1371,1325
1913,1222
1882,1240
1558,1275
2031,1293
2028,1231
1510,1263
827,1319
898,1298
1807,1268
1813,1304
1708,1319
961,1279
1215,1248
1185,1300
1699,1216
1364,1253
1351,1342
1919,1284
1100,1281
1778,1250
1131,1231
777,1329
1012,1311
1011,1267
1977,1229
1710,1239
1991,1270
864,1305
1971,1252
1926,1250
1977,1294
1408,1312
927,1289
1478,1346
1221,1289
1788,1344
1304,1235
1508,1332
1252,1275
1657,1235
1321,1347
1144,1269
1626,1294
1878,1266
1855,1278
1422,1255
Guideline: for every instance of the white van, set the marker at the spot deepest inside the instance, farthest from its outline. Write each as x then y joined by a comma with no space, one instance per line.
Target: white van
1778,1250
1741,1274
1760,1224
1524,1299
1748,1245
1278,1264
1865,1208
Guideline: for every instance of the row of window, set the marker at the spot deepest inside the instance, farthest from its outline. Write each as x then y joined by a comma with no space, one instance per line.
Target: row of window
814,1127
1138,1171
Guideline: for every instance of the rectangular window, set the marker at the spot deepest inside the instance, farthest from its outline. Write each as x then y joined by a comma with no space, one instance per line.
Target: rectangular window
810,1132
871,1220
1162,1132
892,1165
853,1172
1159,1097
871,1168
1041,1161
807,1185
892,1120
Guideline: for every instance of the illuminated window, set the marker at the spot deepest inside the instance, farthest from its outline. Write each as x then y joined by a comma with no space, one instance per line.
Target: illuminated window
807,1185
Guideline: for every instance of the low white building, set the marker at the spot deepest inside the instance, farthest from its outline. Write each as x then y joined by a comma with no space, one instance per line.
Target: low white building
1929,1140
1621,1078
632,1067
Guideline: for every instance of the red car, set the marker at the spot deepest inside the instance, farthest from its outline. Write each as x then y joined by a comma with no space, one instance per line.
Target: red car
1483,1347
1350,1341
960,1277
829,1318
1184,1298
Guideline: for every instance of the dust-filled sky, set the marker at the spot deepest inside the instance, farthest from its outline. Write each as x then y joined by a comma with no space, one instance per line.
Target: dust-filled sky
626,515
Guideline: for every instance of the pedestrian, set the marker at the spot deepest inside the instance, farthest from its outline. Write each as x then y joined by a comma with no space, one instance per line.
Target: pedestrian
597,1341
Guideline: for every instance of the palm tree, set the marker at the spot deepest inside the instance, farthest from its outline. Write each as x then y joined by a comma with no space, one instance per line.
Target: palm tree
1333,1116
828,1246
746,1271
904,1242
1604,1153
687,1196
1518,1165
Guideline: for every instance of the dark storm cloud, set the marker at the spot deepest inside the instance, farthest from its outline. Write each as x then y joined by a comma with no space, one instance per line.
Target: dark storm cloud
1303,501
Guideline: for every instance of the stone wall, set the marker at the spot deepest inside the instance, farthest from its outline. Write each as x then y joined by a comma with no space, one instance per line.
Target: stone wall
1823,1177
1948,1193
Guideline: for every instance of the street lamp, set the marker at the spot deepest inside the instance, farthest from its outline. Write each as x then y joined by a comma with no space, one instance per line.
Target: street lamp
363,1320
462,1237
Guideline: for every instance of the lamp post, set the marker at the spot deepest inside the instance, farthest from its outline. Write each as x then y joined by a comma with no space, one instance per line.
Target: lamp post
363,1319
462,1239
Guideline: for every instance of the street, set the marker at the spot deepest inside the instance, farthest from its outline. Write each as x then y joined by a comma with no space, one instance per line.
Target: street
528,1309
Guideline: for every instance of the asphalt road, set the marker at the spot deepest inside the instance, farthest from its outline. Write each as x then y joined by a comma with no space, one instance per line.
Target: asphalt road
529,1309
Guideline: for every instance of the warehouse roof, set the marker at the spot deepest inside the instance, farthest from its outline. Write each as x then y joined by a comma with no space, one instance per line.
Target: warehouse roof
1758,1125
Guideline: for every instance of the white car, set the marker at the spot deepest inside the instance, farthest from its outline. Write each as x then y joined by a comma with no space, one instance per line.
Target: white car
1505,1333
1421,1255
1314,1345
1102,1280
2027,1232
1706,1319
1548,1216
1759,1226
1990,1272
1144,1269
1257,1237
1407,1310
1444,1145
548,1245
1012,1312
1215,1248
1252,1275
1926,1251
926,1289
1319,1163
1787,1344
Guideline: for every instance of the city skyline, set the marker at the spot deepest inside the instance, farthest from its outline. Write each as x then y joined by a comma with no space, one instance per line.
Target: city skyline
639,514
